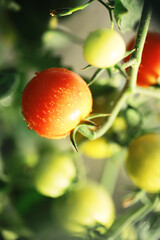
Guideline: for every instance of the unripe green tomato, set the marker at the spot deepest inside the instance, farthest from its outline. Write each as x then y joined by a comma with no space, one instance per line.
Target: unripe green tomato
104,48
143,162
53,39
85,207
53,176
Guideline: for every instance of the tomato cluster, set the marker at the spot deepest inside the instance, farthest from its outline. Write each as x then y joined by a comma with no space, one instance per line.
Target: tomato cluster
56,100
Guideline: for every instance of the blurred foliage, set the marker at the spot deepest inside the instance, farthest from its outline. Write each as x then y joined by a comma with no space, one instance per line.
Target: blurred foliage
28,41
125,16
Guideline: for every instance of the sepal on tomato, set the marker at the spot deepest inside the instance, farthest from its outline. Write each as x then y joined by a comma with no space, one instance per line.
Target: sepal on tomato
87,128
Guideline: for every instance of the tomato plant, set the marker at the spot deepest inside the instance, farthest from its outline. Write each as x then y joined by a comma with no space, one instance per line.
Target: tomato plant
55,101
39,175
85,207
149,69
101,49
54,174
143,162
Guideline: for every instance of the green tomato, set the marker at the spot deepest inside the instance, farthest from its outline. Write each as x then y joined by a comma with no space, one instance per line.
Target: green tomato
104,48
53,176
53,39
143,162
99,148
85,207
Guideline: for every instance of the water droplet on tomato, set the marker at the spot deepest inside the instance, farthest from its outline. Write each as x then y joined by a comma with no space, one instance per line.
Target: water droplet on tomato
29,127
44,120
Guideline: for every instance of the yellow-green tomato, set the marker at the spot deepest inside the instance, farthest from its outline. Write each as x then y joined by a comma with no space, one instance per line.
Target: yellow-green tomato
85,207
98,148
53,176
143,162
103,48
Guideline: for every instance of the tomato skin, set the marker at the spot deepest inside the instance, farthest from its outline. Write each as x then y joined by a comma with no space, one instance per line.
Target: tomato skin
143,162
149,69
104,48
55,101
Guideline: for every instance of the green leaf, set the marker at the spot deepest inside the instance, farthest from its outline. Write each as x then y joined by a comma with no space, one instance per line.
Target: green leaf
9,80
127,14
60,12
10,219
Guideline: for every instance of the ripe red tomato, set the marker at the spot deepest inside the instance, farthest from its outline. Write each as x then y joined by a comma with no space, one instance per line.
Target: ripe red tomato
149,69
55,101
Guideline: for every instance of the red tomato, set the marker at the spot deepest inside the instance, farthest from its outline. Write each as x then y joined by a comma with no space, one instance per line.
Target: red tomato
55,101
149,69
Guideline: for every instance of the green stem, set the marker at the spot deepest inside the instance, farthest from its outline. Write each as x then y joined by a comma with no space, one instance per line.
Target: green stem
110,72
95,75
116,108
131,216
110,12
128,64
139,43
121,70
111,171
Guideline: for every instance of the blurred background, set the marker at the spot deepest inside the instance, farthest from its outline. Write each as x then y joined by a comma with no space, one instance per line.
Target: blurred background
30,41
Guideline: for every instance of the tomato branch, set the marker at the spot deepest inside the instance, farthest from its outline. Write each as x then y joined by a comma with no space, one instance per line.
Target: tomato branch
133,215
116,108
130,86
110,9
139,43
95,75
